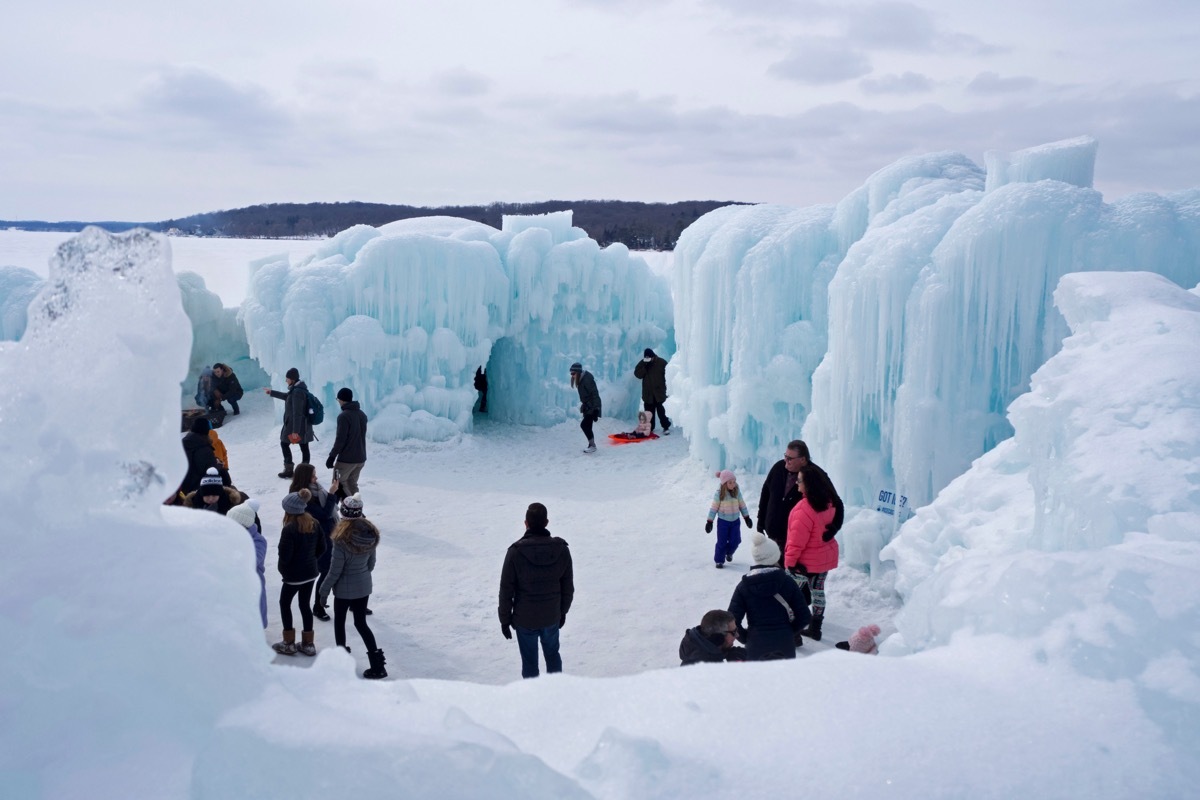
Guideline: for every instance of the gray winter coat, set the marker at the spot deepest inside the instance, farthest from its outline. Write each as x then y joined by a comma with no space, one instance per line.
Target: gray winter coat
353,560
295,412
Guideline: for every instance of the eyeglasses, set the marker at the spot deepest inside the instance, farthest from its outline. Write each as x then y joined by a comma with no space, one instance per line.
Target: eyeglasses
731,633
786,457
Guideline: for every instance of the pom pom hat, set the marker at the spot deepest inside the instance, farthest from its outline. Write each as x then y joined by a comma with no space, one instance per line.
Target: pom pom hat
726,476
210,483
352,507
765,552
297,502
863,641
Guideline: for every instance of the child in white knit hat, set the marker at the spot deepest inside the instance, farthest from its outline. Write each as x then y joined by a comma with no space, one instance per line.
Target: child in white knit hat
246,515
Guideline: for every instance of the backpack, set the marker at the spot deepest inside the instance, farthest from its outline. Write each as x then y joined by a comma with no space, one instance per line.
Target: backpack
316,411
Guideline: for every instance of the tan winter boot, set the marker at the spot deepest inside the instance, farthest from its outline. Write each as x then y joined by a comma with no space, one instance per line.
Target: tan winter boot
288,646
307,647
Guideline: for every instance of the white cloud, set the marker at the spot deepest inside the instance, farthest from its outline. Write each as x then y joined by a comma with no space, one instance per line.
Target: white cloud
817,61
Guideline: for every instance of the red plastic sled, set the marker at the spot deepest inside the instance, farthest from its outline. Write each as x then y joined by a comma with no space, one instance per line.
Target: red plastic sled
625,438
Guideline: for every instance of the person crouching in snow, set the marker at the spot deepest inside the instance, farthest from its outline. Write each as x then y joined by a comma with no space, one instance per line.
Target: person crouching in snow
246,515
863,641
727,506
713,640
355,540
300,545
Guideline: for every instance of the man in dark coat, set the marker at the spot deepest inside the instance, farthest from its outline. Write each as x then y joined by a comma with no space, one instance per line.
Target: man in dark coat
779,496
652,372
536,589
349,451
713,640
200,456
296,426
481,386
589,402
225,386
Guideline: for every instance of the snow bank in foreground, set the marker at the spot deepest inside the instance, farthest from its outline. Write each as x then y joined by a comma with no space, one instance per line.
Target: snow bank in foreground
405,314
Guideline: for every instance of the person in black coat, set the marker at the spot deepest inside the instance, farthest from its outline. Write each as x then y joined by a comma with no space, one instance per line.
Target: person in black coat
481,386
225,386
589,402
652,372
322,506
296,426
713,640
772,604
301,544
537,586
200,455
780,495
349,451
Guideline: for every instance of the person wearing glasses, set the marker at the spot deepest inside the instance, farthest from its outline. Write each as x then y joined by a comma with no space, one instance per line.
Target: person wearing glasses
713,640
780,494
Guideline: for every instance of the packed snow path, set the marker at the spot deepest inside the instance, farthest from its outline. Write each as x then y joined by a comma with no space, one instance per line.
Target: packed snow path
634,518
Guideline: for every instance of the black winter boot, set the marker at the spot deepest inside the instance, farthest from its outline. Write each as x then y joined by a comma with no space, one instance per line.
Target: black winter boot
813,631
287,471
233,404
377,661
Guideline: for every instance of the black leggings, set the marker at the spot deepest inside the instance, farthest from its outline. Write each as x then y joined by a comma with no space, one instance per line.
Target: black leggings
286,447
359,606
304,592
586,425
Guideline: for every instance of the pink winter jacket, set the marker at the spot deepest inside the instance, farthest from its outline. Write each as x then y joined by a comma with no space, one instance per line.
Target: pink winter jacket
804,543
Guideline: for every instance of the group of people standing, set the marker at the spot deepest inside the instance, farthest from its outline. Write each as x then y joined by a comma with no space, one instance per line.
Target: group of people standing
651,371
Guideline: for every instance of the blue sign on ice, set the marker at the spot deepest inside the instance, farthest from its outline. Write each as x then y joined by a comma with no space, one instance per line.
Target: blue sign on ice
891,503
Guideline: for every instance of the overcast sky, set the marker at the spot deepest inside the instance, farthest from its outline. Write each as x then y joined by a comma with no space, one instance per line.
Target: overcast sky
159,110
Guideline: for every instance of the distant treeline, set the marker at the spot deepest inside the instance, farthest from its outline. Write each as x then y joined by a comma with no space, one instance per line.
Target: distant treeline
640,226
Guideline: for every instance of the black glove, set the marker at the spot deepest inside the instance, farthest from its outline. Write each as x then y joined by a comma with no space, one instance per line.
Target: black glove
708,526
761,527
827,535
507,631
562,620
329,462
749,524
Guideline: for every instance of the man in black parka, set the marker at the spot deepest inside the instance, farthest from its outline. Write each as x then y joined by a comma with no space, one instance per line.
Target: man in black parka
297,429
779,496
349,451
714,640
652,372
536,589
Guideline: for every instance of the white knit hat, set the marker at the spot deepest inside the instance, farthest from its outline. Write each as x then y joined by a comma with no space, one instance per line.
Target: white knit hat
243,514
765,552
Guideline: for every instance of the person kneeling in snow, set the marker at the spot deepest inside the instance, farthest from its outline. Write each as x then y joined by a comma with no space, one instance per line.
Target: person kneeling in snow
863,641
713,640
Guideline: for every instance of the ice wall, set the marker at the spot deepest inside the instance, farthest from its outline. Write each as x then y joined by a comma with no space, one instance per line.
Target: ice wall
894,340
1081,533
217,335
404,315
17,289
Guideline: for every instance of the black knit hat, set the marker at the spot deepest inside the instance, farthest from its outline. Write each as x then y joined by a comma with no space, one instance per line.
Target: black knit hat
211,483
293,374
577,367
345,395
201,425
648,353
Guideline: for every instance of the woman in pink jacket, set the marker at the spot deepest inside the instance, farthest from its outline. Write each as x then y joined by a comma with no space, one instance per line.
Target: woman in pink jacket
809,556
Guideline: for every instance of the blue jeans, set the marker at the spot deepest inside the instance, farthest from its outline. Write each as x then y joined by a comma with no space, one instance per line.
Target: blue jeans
527,643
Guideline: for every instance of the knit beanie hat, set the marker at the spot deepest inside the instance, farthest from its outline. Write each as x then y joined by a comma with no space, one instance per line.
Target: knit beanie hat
296,503
242,514
211,482
765,552
293,373
352,507
726,476
345,395
863,641
201,425
577,367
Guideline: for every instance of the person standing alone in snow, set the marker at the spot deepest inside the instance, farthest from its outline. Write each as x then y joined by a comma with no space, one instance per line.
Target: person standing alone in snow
296,427
727,507
589,402
652,372
537,586
349,451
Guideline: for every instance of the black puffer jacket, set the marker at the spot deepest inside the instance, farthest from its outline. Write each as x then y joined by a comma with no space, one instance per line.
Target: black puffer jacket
350,446
774,609
200,457
589,395
696,648
653,375
774,507
295,412
537,581
298,553
228,385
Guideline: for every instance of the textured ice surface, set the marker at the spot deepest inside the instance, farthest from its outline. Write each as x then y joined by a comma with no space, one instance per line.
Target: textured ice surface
404,315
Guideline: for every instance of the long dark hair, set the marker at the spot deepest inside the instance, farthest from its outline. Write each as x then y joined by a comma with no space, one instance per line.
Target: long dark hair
817,489
304,477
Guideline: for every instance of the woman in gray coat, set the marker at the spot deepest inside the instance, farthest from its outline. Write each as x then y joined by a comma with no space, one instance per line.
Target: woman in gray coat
355,541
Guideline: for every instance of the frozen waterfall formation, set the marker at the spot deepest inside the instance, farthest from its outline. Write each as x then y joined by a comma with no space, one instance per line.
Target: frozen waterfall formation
894,329
404,314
